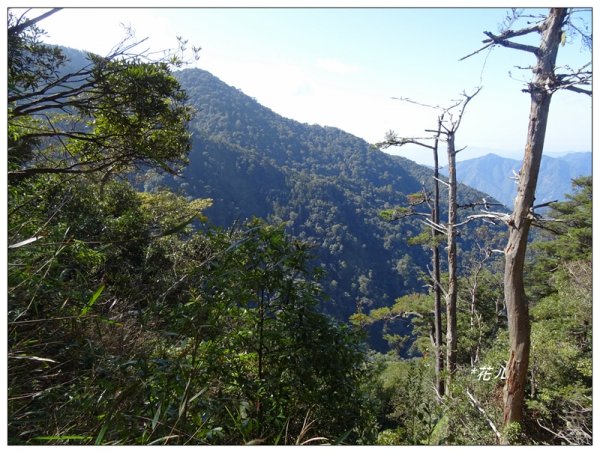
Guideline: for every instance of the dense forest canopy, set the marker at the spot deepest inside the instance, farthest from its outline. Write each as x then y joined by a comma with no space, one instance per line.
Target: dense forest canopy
328,186
186,267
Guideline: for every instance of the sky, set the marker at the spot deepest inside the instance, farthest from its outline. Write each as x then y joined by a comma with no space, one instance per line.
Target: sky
347,67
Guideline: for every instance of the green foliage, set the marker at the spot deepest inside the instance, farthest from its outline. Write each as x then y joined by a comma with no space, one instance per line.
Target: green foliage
575,232
395,214
474,389
29,61
108,115
425,238
414,308
561,354
412,411
568,239
559,385
480,315
158,331
328,186
279,354
561,372
513,434
179,338
130,319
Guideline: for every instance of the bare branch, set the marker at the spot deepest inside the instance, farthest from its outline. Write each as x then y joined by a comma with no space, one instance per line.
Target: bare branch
464,106
476,52
542,205
560,436
436,226
436,107
435,282
489,421
578,90
398,214
571,80
513,33
494,216
484,202
16,29
405,314
510,44
77,168
443,182
393,140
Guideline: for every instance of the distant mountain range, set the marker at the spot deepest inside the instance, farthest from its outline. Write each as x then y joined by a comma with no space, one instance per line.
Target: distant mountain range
492,174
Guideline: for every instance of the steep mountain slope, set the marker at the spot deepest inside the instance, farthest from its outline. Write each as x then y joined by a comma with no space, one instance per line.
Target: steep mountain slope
492,174
327,185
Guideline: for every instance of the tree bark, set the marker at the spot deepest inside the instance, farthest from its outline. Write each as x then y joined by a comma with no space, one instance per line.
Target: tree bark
435,217
451,295
541,89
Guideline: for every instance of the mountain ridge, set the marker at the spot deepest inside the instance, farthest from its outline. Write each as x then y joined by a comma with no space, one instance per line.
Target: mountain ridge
554,181
326,185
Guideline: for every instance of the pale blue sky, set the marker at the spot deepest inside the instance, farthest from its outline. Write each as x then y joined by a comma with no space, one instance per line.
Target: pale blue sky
341,67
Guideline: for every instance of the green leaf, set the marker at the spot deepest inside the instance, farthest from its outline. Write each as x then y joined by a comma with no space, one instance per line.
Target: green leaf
101,434
198,394
155,418
92,301
62,438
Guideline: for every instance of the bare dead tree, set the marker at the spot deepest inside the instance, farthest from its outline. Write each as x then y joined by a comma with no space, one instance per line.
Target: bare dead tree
448,123
545,82
449,130
393,140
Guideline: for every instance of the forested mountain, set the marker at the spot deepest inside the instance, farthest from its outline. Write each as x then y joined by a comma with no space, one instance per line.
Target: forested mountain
132,319
325,184
556,174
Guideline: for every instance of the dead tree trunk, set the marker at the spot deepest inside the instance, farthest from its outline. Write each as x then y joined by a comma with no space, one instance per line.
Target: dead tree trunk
514,290
450,129
437,307
451,295
393,140
544,84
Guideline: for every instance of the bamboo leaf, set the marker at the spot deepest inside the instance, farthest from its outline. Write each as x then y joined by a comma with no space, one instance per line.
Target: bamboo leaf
32,357
156,416
197,394
62,438
165,438
25,242
92,301
101,434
